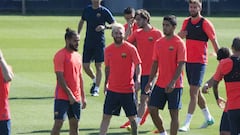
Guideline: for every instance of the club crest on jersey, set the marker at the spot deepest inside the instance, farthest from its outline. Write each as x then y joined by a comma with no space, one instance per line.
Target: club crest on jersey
98,15
124,55
171,48
150,38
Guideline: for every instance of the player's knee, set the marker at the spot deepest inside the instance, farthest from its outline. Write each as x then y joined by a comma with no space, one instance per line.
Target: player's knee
153,110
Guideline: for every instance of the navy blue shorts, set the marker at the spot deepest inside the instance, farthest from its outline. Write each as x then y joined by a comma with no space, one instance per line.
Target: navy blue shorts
144,81
195,73
158,98
224,124
114,101
234,118
93,54
62,109
5,127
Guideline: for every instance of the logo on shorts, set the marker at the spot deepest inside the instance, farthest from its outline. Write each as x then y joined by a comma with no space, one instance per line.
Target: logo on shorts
150,39
98,15
124,55
171,48
56,113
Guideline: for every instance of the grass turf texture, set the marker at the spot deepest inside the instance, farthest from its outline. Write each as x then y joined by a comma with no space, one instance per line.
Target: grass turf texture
29,44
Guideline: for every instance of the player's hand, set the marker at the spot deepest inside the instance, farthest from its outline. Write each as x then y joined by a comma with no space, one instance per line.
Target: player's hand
130,22
105,90
221,102
182,34
72,99
84,104
100,28
148,88
170,87
205,88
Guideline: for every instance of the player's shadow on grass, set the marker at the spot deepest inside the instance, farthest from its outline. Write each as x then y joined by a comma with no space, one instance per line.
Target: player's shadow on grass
95,131
62,131
118,132
29,98
40,132
121,133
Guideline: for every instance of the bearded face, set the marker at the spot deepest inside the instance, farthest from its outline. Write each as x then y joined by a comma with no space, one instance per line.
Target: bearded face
73,47
118,35
194,10
73,43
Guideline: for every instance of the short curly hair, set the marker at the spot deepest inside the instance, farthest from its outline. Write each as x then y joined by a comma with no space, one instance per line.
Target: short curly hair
199,2
223,53
236,44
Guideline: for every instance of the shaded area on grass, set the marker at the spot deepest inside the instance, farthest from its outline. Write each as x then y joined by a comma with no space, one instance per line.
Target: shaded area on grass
29,98
95,131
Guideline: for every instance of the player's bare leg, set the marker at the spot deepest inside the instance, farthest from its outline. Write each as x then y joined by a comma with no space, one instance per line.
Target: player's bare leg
105,124
134,127
156,118
142,107
89,71
174,121
73,124
57,127
98,67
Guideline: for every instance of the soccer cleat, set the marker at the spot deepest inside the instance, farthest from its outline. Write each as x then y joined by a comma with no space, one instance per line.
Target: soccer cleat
184,128
155,131
95,94
207,123
92,88
125,125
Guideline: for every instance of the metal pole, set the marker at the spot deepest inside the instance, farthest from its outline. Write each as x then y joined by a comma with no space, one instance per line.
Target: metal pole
23,7
209,7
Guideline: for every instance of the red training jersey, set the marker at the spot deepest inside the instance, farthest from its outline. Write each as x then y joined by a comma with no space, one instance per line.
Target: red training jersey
121,61
4,92
145,43
196,49
232,88
70,63
168,52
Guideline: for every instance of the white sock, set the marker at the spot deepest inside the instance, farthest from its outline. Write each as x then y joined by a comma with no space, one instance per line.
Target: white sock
188,119
163,133
94,80
138,120
206,114
96,89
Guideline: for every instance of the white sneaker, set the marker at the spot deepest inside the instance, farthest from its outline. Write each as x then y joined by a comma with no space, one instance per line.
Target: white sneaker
184,128
207,123
95,94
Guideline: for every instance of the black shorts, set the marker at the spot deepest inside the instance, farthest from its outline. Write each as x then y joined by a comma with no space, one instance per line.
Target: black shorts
5,127
225,125
159,97
115,101
93,54
62,109
195,73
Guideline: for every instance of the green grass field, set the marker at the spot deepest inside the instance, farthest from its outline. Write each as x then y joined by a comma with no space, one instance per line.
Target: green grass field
29,44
